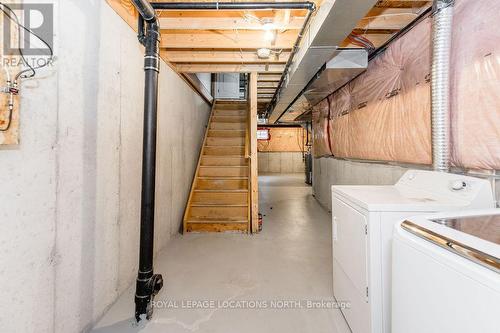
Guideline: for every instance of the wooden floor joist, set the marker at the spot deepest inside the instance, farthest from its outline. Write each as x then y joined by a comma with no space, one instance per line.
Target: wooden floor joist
222,57
227,39
226,68
220,41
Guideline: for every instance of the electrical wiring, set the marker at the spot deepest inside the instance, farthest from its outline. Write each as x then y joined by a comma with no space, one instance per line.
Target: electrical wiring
362,41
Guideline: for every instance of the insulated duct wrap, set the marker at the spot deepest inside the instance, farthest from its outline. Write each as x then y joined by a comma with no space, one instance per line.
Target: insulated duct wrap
385,113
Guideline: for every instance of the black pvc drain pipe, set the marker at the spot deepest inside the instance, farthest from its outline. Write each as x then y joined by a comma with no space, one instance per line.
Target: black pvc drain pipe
149,284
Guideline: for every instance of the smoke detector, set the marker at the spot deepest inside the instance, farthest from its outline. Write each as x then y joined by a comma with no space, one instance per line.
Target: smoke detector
264,53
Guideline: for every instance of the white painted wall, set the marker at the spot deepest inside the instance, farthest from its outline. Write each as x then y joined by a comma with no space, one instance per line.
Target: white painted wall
70,198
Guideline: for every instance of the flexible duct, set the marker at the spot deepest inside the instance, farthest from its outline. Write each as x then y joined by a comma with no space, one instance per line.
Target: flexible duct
441,46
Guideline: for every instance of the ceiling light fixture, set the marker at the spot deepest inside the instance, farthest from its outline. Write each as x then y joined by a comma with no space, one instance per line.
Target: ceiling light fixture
269,35
269,30
264,53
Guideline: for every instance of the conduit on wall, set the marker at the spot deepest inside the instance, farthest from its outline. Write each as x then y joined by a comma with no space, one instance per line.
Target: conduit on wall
385,113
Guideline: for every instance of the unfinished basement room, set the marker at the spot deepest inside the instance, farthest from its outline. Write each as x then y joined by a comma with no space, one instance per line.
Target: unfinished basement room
250,166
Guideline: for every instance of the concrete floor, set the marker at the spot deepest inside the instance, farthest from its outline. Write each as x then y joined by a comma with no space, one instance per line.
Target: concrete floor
281,270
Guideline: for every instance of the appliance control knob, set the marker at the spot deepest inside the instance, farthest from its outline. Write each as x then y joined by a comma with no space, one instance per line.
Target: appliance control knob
458,185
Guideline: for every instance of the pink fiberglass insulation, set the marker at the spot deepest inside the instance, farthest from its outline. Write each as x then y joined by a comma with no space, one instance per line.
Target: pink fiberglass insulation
475,73
384,114
321,146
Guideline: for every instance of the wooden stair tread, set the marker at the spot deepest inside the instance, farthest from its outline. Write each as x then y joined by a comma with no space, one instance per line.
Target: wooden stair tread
203,204
224,156
222,177
224,147
223,166
215,221
229,130
222,190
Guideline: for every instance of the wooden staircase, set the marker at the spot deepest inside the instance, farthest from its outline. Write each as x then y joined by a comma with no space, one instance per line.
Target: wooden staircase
219,200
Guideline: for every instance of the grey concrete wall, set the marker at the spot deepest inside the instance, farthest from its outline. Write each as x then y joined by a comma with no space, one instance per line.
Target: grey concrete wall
70,198
331,171
280,162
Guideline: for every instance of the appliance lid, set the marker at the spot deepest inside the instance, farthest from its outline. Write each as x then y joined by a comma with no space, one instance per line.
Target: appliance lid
421,190
467,234
396,198
486,227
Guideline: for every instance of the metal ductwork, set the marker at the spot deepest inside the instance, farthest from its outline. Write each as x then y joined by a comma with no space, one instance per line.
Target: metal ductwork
440,84
332,23
344,66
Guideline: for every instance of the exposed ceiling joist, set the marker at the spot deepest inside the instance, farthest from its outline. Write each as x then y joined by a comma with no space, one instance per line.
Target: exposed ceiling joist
238,57
370,31
225,39
267,84
376,39
268,78
226,23
210,14
228,68
386,22
266,90
400,3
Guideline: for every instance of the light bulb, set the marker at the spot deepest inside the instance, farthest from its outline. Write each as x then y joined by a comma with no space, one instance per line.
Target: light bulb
268,26
269,35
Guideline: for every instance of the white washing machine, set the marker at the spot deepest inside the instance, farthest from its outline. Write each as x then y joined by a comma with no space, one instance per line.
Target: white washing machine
446,273
363,221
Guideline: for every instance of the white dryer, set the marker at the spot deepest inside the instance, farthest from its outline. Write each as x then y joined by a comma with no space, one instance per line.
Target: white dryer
446,273
363,221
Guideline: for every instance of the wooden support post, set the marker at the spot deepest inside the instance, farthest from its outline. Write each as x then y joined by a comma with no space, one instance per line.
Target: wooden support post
254,179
